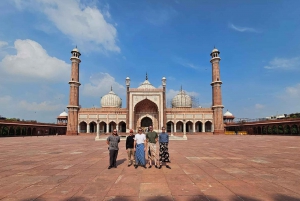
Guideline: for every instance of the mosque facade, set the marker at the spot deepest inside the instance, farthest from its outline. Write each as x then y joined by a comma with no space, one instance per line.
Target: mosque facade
145,106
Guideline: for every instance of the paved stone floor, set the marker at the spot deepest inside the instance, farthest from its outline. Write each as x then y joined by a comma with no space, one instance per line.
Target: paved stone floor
203,168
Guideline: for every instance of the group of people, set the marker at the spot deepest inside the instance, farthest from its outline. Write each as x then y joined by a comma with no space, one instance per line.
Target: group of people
140,145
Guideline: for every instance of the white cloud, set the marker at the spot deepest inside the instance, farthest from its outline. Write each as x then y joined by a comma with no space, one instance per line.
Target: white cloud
3,44
292,92
32,63
42,106
100,85
259,106
242,29
44,111
284,64
3,47
85,25
171,93
5,100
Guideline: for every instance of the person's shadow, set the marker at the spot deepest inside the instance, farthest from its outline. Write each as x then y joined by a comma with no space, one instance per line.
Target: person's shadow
119,162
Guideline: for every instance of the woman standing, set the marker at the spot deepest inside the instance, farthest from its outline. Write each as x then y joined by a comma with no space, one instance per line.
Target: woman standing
140,145
163,148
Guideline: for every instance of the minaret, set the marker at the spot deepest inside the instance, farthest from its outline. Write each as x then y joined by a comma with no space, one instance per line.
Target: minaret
217,93
73,107
164,84
127,81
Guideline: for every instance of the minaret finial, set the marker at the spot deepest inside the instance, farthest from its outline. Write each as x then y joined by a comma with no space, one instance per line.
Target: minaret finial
181,88
146,76
110,88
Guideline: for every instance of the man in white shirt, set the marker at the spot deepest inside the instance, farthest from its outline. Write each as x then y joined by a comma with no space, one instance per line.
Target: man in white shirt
140,145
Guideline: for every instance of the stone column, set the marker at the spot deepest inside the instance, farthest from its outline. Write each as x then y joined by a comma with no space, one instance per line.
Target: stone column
107,128
98,129
203,127
194,127
184,129
88,128
78,129
172,129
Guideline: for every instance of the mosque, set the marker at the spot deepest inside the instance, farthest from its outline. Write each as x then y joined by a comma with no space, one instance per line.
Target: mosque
145,106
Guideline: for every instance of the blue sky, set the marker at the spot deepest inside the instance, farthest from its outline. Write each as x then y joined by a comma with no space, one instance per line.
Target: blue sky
258,41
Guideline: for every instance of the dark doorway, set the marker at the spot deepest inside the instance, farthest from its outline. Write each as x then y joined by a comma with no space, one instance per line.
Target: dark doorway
146,122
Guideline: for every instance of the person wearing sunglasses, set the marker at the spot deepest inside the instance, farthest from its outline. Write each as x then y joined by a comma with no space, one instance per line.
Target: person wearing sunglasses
113,143
140,145
152,139
130,148
163,148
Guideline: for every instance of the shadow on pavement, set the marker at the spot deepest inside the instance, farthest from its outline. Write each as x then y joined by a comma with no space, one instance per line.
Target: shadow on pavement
119,162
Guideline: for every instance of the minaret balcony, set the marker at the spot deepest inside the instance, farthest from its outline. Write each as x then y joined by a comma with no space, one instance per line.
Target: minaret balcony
216,83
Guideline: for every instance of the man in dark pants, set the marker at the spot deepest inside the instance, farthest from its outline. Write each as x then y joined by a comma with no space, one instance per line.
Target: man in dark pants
113,142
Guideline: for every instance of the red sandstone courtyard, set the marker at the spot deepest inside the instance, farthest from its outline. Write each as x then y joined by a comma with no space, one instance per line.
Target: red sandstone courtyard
203,168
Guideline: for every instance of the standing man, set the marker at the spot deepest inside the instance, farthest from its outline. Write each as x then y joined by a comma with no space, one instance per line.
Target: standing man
113,143
140,145
163,148
152,138
130,148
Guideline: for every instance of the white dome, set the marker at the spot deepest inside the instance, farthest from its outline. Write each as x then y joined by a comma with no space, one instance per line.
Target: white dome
146,85
227,114
63,114
111,100
215,50
75,50
182,100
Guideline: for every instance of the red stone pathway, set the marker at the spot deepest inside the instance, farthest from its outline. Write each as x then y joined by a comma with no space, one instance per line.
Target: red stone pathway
203,168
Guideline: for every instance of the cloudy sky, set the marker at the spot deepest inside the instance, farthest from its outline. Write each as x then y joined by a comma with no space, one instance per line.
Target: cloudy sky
258,40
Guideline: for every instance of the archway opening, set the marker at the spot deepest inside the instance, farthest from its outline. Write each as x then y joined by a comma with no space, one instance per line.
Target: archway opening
146,122
199,126
189,127
82,127
122,127
170,127
112,126
103,127
93,127
208,126
142,111
259,130
294,130
179,126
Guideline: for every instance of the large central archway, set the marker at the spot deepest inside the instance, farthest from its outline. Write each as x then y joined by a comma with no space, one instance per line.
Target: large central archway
146,114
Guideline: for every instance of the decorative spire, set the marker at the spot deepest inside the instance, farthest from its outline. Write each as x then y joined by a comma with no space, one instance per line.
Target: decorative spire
110,88
181,88
146,76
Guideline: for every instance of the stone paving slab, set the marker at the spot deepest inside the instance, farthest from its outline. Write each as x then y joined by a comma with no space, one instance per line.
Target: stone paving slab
204,168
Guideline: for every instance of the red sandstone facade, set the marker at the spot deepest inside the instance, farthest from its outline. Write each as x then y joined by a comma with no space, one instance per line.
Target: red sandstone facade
144,103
